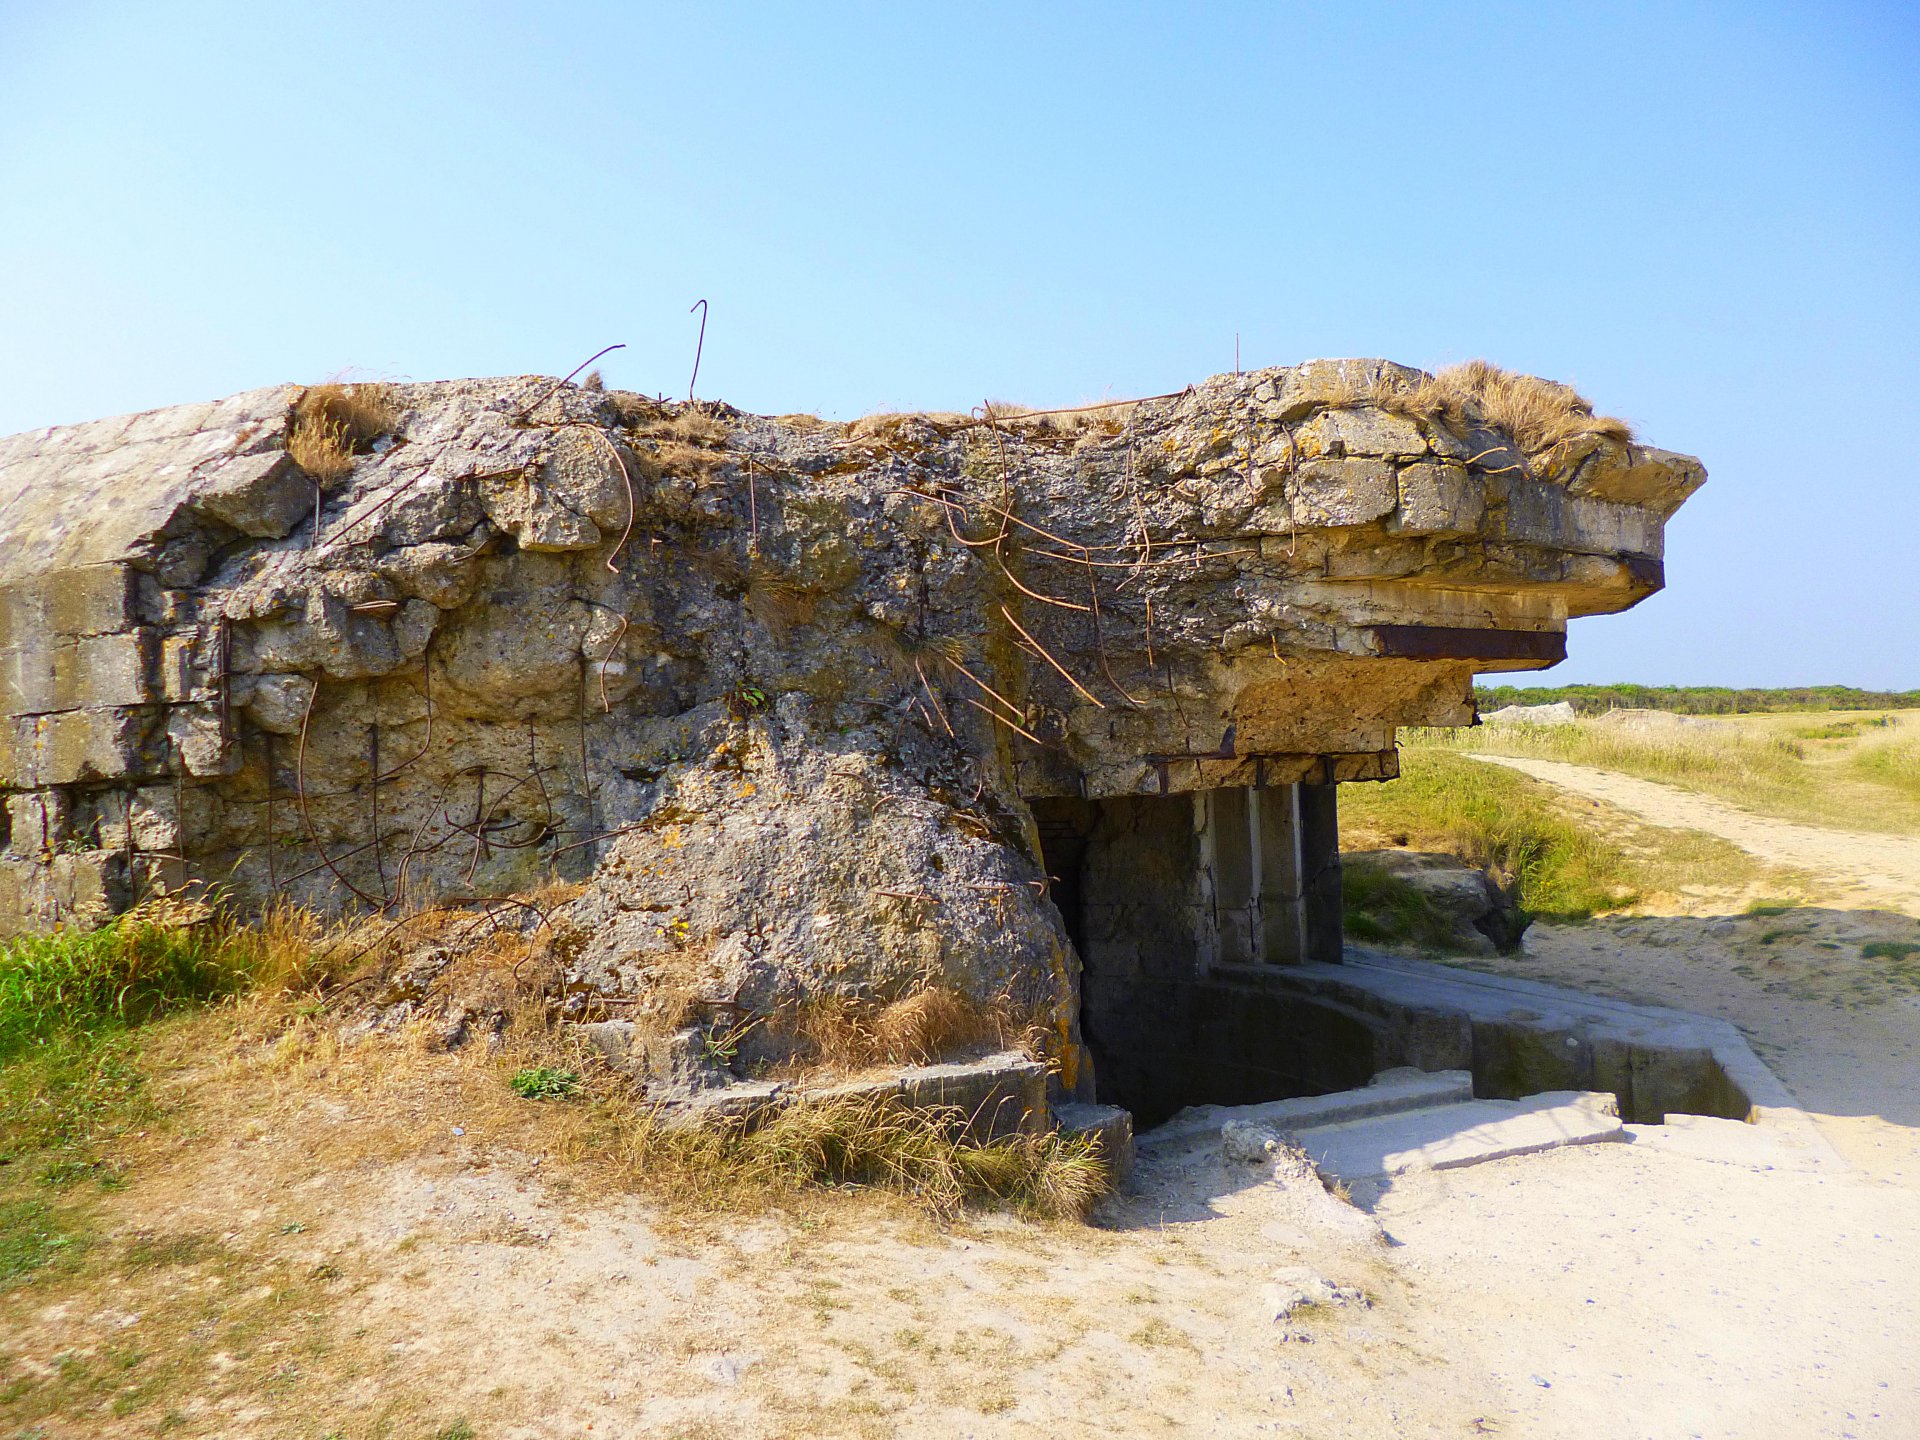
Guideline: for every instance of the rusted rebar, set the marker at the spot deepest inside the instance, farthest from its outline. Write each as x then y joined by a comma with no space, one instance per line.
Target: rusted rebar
700,347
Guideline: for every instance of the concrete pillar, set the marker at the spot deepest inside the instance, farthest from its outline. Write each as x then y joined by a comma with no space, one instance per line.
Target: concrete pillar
1269,875
1320,872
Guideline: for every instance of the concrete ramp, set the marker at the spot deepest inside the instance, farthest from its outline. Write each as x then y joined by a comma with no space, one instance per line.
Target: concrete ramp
1445,1137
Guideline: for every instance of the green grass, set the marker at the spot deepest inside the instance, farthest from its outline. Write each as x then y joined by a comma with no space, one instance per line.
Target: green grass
72,1005
1696,699
1895,764
1384,909
32,1235
132,969
543,1082
1888,950
1858,784
1497,819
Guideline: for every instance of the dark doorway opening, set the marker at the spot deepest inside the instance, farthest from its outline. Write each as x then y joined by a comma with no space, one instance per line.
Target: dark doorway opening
1175,903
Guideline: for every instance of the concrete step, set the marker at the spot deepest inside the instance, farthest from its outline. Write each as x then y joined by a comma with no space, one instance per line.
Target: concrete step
1111,1129
1446,1136
1734,1142
1389,1092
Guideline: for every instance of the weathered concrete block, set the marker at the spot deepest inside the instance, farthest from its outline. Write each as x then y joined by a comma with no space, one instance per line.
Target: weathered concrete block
179,678
92,885
1000,1095
38,822
22,895
1362,432
152,812
27,682
73,601
1542,514
56,672
1324,493
201,741
1108,1126
1438,499
265,496
103,671
87,745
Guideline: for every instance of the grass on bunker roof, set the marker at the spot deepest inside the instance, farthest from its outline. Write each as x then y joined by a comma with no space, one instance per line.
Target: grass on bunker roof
332,423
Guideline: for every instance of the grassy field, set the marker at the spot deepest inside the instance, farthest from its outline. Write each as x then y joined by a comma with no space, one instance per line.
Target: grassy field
1570,858
1697,699
1855,771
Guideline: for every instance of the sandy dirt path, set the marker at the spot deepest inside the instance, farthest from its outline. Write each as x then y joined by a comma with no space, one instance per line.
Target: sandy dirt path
1884,868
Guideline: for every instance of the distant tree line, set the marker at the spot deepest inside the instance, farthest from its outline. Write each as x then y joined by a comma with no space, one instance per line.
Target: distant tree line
1696,699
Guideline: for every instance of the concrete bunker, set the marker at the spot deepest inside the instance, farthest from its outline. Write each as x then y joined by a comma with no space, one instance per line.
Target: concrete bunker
779,696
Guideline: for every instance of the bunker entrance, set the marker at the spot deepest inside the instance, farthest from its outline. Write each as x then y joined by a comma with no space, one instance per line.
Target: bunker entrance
1177,904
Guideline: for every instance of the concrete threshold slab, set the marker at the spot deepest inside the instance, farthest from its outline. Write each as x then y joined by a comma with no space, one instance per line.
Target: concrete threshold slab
1522,1036
1732,1142
1389,1092
1470,1133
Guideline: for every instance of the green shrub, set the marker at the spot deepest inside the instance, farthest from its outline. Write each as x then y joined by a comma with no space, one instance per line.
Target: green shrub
1384,909
1888,950
543,1082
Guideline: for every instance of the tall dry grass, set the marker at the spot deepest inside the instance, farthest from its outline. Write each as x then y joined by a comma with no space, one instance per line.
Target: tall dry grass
839,1034
333,423
1539,415
1753,764
1713,755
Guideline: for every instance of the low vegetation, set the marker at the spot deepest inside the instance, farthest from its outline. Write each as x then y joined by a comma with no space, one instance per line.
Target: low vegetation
77,1009
1542,417
174,1044
1853,775
1695,699
1568,860
1895,764
1383,909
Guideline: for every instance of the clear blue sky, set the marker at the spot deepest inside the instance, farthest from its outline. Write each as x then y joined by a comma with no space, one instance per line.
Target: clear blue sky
1707,216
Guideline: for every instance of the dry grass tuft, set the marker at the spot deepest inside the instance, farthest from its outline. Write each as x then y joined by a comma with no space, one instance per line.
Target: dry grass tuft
924,1155
931,1023
1102,421
837,1033
777,602
688,427
333,423
910,655
1539,415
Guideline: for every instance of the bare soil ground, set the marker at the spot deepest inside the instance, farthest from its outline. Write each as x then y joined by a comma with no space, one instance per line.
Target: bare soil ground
404,1259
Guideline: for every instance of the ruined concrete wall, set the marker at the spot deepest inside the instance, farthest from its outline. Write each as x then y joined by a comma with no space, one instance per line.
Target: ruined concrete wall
782,688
